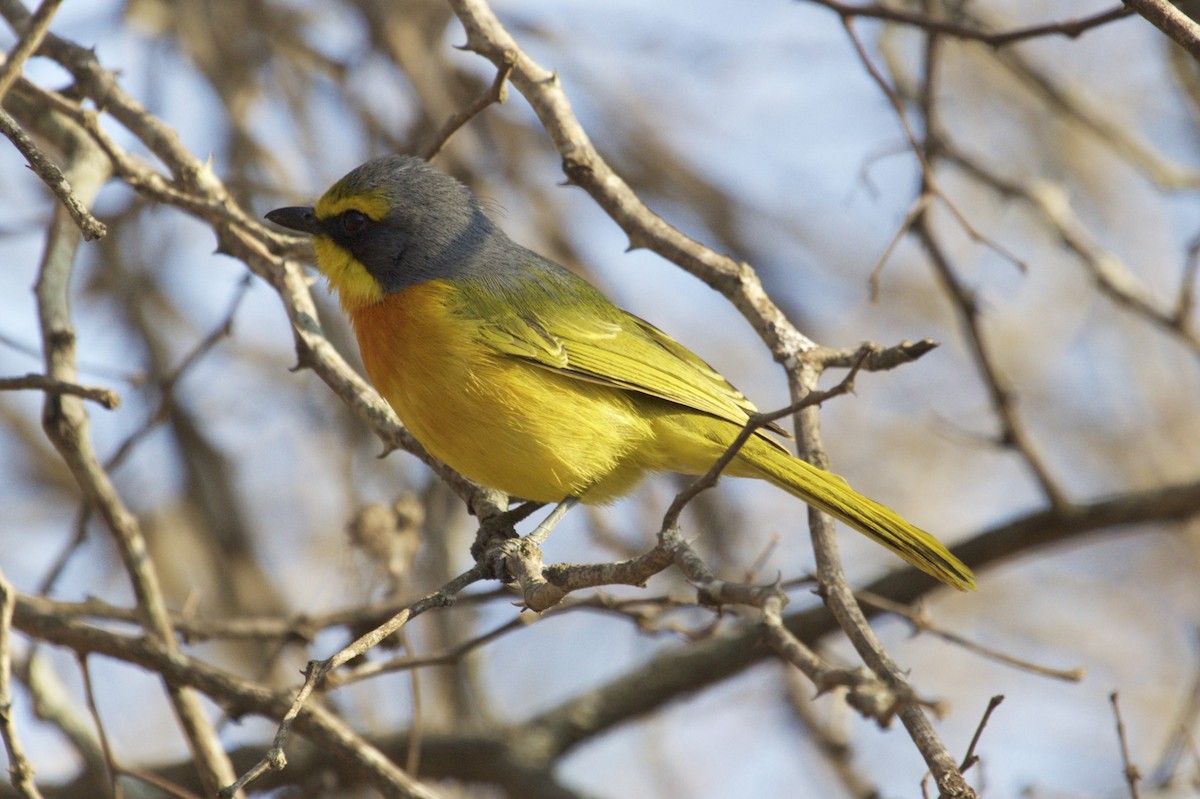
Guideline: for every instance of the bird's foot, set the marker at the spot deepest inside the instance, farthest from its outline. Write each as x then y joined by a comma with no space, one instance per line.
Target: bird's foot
501,527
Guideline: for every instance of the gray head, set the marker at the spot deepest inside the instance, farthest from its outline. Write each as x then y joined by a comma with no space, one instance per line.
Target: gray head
395,221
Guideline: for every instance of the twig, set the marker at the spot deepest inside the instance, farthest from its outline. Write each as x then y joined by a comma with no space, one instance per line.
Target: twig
89,695
1170,19
300,628
1123,140
55,704
1071,28
542,587
83,515
921,623
970,758
1132,775
194,188
31,38
275,759
1181,741
101,85
166,786
166,387
929,183
760,562
874,357
416,729
1111,275
753,425
20,771
66,424
1013,433
52,176
585,168
106,397
337,679
542,531
830,737
914,211
865,693
1186,299
497,92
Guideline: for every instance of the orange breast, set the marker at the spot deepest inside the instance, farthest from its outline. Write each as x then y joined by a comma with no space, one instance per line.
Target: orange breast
501,421
409,347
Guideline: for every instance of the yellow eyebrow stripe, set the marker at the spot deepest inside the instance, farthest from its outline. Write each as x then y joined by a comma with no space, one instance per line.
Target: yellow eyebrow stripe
374,204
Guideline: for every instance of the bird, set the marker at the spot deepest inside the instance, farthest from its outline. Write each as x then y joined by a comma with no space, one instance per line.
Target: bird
524,377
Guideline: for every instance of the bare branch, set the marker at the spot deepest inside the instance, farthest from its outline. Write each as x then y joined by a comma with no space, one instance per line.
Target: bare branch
1013,433
1170,19
276,760
812,398
315,721
585,168
89,693
20,770
1071,28
496,93
1132,775
1111,275
31,37
970,758
921,622
53,177
104,396
66,424
929,183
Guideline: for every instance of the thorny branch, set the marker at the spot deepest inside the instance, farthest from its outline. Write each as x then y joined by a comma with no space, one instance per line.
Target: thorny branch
880,691
738,283
675,673
67,426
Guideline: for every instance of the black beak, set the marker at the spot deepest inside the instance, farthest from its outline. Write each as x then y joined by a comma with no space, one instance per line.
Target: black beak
301,218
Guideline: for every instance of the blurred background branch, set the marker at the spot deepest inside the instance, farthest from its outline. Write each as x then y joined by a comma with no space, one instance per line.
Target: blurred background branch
1042,161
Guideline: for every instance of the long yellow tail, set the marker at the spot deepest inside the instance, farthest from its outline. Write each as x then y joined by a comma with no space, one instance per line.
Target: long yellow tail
832,494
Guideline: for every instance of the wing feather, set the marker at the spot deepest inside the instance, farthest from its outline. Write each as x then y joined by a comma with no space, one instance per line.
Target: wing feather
563,324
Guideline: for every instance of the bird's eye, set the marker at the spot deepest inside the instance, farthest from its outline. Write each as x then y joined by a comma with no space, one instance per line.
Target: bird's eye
354,221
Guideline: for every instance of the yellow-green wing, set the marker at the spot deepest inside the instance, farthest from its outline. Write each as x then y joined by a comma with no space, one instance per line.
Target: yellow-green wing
565,325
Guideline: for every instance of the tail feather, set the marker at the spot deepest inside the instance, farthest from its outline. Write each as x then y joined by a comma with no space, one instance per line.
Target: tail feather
832,494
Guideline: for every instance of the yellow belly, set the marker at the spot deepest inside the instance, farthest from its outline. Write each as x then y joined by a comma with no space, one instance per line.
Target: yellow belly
498,420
